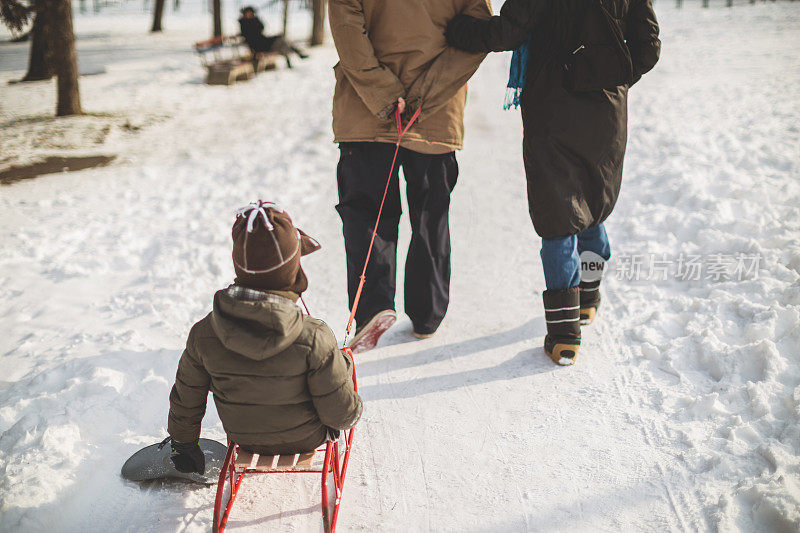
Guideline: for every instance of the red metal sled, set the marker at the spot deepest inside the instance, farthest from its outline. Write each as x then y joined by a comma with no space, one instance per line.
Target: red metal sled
239,463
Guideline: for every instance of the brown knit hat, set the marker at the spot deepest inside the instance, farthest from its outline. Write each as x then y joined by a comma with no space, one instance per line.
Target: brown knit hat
267,249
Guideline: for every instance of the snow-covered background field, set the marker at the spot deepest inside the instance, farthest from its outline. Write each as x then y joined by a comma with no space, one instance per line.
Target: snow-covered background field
683,412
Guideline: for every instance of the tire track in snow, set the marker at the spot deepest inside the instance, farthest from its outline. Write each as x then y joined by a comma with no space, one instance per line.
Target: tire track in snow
391,471
624,388
398,407
497,445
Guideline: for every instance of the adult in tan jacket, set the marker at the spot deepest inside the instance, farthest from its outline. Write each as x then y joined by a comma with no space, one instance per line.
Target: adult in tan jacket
280,382
393,55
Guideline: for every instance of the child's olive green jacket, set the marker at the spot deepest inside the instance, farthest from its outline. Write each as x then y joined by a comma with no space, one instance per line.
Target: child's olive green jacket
278,378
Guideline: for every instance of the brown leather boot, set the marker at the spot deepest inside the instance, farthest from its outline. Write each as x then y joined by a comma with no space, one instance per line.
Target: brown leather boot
590,301
562,314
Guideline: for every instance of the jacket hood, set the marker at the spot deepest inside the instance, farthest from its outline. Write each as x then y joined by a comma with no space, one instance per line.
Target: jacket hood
256,329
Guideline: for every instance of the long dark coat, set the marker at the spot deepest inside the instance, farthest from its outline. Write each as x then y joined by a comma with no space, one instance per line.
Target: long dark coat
574,143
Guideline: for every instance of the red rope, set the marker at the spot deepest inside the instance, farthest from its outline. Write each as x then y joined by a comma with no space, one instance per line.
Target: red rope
305,305
400,132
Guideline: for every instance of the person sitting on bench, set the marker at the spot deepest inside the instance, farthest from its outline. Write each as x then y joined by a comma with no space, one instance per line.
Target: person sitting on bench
251,28
281,385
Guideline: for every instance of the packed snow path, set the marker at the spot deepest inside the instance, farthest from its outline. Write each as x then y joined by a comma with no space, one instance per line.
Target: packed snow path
681,414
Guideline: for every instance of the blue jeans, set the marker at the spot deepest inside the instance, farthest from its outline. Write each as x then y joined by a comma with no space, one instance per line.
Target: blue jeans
561,256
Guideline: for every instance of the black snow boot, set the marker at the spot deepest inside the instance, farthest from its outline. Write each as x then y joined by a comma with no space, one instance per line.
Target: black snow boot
590,301
562,314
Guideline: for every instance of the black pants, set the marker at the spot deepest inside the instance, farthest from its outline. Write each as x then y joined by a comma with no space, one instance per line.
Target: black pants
362,172
273,43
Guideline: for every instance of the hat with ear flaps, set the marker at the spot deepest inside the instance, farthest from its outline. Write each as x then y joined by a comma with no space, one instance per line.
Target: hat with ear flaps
267,248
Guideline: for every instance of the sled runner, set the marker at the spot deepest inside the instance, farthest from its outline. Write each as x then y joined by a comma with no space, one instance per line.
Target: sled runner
330,459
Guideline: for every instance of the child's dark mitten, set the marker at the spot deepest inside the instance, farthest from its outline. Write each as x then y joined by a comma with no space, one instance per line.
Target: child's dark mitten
188,457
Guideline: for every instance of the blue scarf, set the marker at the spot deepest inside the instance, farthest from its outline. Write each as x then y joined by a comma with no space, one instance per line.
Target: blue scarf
516,75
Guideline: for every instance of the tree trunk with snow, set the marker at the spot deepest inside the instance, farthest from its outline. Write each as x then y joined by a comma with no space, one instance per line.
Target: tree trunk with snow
158,15
217,7
285,16
318,29
61,39
39,67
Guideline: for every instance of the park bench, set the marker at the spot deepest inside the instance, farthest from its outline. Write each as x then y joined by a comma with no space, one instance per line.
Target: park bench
222,59
265,61
261,60
227,60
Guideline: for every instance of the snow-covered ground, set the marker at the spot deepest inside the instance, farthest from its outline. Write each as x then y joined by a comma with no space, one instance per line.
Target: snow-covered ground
683,412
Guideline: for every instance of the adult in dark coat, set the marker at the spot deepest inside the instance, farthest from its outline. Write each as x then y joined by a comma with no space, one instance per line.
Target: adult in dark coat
251,28
573,145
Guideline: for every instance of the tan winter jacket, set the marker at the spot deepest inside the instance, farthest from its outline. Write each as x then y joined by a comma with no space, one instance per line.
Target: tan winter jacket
396,48
279,380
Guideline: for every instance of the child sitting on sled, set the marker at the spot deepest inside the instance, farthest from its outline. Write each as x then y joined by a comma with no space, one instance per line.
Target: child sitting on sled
280,382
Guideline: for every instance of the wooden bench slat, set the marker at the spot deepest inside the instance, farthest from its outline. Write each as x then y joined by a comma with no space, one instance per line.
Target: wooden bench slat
227,72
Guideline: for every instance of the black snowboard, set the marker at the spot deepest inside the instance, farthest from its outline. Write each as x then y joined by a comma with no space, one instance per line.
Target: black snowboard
153,462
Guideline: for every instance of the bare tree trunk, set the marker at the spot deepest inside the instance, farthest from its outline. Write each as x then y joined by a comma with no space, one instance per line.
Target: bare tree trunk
158,15
285,16
39,66
318,28
63,57
217,6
